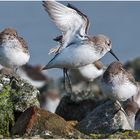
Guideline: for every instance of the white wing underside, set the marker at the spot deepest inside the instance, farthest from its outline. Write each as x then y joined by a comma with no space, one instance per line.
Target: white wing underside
67,20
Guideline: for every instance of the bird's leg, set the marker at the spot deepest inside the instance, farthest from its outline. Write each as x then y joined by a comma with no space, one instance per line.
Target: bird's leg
64,73
69,81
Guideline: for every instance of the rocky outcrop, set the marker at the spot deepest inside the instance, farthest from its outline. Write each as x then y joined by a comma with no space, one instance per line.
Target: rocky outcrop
105,119
72,110
16,95
36,121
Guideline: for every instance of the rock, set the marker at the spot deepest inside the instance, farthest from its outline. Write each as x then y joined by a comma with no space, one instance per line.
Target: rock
24,96
104,119
15,96
137,121
123,134
131,108
36,122
6,112
72,110
126,134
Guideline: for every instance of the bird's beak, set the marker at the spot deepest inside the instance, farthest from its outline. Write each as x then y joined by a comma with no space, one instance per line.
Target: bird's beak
44,68
113,54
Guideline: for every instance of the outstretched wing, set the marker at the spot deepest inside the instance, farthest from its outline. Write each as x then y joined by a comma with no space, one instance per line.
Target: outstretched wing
67,18
85,27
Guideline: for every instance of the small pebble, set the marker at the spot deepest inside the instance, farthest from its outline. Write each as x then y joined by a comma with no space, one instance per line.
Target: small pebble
5,80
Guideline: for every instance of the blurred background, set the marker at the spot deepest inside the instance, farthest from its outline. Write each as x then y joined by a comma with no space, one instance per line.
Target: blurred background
118,20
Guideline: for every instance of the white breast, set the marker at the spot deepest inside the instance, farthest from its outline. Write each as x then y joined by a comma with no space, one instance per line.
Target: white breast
74,57
90,72
35,83
119,90
51,105
11,54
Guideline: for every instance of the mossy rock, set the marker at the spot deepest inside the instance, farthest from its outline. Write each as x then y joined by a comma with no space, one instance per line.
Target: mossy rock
6,112
15,96
123,134
38,122
126,134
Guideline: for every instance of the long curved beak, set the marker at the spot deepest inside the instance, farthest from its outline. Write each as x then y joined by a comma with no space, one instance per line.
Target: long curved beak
114,54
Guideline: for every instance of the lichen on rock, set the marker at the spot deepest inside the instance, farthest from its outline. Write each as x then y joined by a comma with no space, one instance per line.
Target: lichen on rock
15,96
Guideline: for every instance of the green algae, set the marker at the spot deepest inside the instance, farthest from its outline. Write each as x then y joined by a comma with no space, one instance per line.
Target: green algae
6,112
15,96
124,134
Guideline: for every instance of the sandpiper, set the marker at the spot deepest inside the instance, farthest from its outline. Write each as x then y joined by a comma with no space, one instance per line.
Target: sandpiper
77,48
13,49
117,83
33,74
89,72
50,100
81,54
74,26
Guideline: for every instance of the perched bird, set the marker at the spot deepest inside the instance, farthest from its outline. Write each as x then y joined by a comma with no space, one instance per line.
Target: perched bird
50,100
13,49
33,74
73,23
74,26
89,72
118,84
77,48
82,54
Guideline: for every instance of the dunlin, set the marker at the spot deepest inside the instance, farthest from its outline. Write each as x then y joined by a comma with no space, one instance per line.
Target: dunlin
77,48
50,100
73,24
117,83
84,53
89,72
13,49
33,74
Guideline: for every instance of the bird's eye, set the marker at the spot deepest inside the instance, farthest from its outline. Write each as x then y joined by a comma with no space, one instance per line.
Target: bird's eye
109,43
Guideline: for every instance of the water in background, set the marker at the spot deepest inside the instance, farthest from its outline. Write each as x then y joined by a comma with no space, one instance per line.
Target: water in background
119,20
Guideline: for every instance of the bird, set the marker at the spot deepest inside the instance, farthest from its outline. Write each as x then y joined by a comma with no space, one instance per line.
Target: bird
117,83
70,19
77,48
33,75
50,100
13,49
88,72
73,24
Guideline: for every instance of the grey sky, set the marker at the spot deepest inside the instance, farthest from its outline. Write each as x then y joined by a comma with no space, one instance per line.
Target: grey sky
118,20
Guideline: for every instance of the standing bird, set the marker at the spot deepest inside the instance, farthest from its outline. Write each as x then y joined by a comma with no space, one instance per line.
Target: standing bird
33,74
117,83
89,72
13,49
77,48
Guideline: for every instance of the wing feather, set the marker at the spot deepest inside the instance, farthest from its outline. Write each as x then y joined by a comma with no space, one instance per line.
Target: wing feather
66,18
